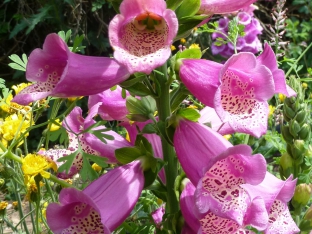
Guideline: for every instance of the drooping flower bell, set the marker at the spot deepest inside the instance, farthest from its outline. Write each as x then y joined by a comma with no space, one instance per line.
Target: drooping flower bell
74,123
58,72
113,105
218,169
239,89
276,193
210,7
97,209
142,34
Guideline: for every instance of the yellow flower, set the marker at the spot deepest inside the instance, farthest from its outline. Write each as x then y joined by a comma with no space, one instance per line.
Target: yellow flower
172,47
182,40
195,29
96,167
3,205
271,110
55,127
15,204
192,107
194,46
34,164
304,85
18,88
44,209
228,136
281,97
14,125
72,99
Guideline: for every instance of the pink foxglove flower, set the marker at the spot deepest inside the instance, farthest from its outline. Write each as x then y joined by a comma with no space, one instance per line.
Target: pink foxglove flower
210,7
97,209
218,169
142,34
58,72
239,89
113,105
276,193
211,223
74,123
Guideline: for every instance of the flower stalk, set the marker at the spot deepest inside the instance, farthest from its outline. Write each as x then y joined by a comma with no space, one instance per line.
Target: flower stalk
164,111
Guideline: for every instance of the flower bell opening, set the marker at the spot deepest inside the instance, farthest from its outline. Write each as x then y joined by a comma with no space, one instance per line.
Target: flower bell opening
146,34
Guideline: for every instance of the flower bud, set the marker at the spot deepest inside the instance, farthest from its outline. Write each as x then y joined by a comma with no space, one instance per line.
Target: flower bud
288,112
286,163
302,195
306,222
294,128
297,149
304,132
286,134
301,116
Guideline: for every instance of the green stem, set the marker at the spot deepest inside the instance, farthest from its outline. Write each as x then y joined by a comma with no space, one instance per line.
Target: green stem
60,182
171,166
297,60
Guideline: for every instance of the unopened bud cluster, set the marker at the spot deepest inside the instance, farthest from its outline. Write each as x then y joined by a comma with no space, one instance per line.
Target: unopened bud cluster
296,130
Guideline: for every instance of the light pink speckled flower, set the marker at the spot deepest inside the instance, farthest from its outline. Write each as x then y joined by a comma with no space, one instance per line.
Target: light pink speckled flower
142,33
222,6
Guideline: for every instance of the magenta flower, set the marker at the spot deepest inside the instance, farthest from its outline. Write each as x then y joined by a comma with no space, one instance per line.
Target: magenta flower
60,73
97,209
276,193
74,123
157,216
210,7
219,169
142,34
113,105
211,223
239,89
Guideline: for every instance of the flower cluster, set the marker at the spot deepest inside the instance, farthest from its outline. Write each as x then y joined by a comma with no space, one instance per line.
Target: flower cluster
249,42
228,188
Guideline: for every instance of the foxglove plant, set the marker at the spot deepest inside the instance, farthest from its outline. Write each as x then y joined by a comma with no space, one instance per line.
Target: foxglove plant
75,124
142,34
97,209
236,88
58,72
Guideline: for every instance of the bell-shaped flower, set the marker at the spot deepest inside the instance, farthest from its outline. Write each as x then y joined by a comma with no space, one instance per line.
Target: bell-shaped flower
142,34
219,169
276,193
238,90
97,209
113,105
268,59
75,124
153,139
58,72
210,7
211,223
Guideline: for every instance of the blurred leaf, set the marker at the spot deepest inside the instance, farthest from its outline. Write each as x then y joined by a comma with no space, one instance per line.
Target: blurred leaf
69,161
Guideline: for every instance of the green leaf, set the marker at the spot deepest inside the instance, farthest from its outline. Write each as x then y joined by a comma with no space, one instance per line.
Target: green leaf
87,172
127,154
188,8
136,78
140,109
139,89
189,53
61,34
189,113
77,41
35,19
101,161
69,161
60,134
173,4
149,129
19,64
